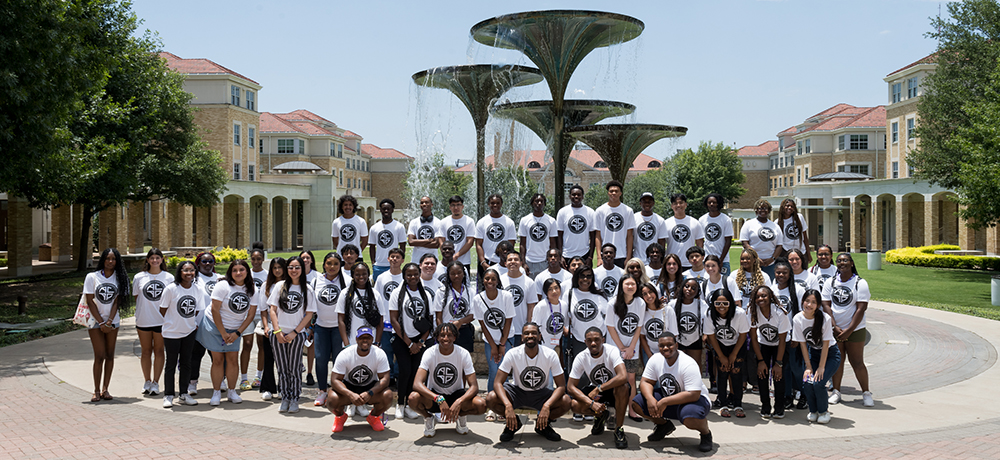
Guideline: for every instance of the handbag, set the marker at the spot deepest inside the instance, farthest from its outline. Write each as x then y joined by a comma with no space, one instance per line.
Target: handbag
83,316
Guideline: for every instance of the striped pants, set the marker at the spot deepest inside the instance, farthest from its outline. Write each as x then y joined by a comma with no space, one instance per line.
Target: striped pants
288,359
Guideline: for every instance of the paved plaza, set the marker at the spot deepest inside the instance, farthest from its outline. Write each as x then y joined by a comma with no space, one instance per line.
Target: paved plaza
933,374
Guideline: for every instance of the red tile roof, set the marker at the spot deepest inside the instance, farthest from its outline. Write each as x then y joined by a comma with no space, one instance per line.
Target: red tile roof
351,135
198,66
853,117
760,150
587,157
832,110
299,121
377,152
929,59
302,114
272,124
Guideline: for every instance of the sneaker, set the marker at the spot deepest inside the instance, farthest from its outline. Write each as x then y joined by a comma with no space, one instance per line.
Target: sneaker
224,388
661,431
621,441
284,406
266,396
779,413
363,410
216,398
823,418
193,388
234,397
256,383
588,418
350,410
245,385
549,433
320,399
802,404
765,413
410,413
462,425
154,389
188,400
399,412
429,427
145,387
706,442
812,416
867,399
789,404
834,397
310,381
168,402
717,404
599,422
375,422
338,423
577,417
713,390
508,434
293,406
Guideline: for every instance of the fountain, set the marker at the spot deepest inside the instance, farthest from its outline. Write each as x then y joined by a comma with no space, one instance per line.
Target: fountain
620,144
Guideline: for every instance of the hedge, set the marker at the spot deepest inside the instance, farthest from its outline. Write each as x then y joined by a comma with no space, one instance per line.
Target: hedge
223,255
924,257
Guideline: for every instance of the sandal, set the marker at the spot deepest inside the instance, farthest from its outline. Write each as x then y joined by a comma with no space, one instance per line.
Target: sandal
724,412
95,398
739,412
106,396
491,416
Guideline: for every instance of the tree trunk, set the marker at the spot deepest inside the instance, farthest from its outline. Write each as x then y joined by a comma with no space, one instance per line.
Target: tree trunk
83,253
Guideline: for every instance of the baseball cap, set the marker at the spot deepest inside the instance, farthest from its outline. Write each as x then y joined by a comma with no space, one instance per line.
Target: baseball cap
644,195
365,330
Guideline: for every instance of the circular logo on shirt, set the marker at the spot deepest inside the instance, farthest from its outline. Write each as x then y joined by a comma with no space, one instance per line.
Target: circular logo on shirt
239,302
747,288
577,224
257,282
809,335
385,239
494,318
822,281
792,231
533,378
358,308
768,332
348,232
725,334
187,306
681,233
601,374
361,375
688,323
459,309
554,325
713,231
106,292
443,278
445,374
415,307
842,296
765,234
517,293
801,283
614,222
586,310
646,231
425,232
669,384
328,294
388,288
153,290
494,232
783,300
294,303
210,286
610,285
455,234
654,327
538,232
628,324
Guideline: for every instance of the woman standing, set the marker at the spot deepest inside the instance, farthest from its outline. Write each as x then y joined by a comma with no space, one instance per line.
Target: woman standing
726,327
550,315
624,328
494,309
763,236
789,294
310,274
221,332
103,291
291,311
812,329
793,225
356,304
328,288
454,305
259,276
690,311
207,279
802,276
715,279
769,326
845,298
749,276
637,270
824,268
670,278
408,305
147,290
657,319
179,309
276,272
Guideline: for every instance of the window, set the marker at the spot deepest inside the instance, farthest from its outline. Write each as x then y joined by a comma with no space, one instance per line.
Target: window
250,171
895,169
781,162
784,181
858,169
911,128
859,142
781,143
897,92
234,95
911,87
286,145
895,132
302,147
600,164
340,151
653,164
798,175
808,146
236,171
333,149
251,133
250,100
236,134
807,173
341,177
262,146
799,145
909,171
840,142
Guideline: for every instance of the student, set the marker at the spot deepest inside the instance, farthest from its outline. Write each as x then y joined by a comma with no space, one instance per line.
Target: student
615,223
824,268
657,319
428,266
654,260
452,392
291,311
453,304
845,299
422,233
696,259
349,228
636,269
103,291
504,248
587,305
221,331
147,290
447,257
388,233
490,231
179,309
554,269
551,314
803,277
649,228
494,309
715,280
207,279
749,276
605,372
763,236
607,274
351,254
670,278
258,275
683,231
794,227
360,377
408,305
522,289
459,230
812,329
385,285
358,307
624,327
718,229
769,326
309,266
576,226
310,274
275,273
789,294
726,326
328,289
690,311
537,232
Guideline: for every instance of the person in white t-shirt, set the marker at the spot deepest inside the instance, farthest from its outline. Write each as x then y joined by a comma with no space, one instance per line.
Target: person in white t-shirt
803,278
718,229
672,388
812,329
624,326
494,309
615,223
714,279
654,261
259,276
845,299
726,326
360,377
523,290
106,293
276,273
147,289
349,228
409,308
682,230
749,276
293,304
386,234
221,331
824,269
551,314
649,227
537,234
446,383
422,232
587,305
554,262
604,371
657,318
696,258
769,327
453,304
490,231
794,227
575,223
459,230
607,275
328,288
764,236
179,308
531,366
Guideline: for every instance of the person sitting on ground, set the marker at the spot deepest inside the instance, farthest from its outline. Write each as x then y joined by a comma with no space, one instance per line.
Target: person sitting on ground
603,367
445,383
360,376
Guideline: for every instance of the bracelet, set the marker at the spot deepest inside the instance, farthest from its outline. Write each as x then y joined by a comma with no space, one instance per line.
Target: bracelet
599,390
371,393
276,331
439,399
779,364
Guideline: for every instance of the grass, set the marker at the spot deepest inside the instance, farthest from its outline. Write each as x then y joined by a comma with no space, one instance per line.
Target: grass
56,329
49,296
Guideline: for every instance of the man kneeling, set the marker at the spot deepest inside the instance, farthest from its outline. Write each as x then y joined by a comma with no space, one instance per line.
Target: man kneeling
604,367
360,376
452,388
531,366
679,393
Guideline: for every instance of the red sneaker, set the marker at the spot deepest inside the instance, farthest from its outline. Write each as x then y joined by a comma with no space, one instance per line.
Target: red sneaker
338,423
376,422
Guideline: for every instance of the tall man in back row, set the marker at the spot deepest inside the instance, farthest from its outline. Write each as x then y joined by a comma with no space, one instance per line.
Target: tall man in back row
575,224
615,223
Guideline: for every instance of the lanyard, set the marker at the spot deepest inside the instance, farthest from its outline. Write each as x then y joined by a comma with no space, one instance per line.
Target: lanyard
457,297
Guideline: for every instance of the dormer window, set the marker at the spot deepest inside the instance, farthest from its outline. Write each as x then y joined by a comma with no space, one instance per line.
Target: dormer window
653,164
533,165
600,164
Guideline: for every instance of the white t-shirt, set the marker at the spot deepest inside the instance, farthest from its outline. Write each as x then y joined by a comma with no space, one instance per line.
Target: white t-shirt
684,375
431,286
563,276
327,293
600,369
748,286
823,274
385,285
655,323
681,235
536,232
531,374
689,325
291,314
259,278
716,230
607,279
350,231
183,305
457,232
414,306
446,373
807,280
262,295
148,289
728,335
699,275
105,291
208,282
492,232
844,297
236,304
453,305
725,282
785,298
764,237
423,231
613,225
768,329
628,325
587,310
522,289
494,313
576,225
551,319
384,238
357,310
653,273
648,229
802,330
793,234
361,371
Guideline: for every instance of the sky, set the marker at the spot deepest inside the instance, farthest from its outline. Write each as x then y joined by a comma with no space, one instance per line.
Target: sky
736,72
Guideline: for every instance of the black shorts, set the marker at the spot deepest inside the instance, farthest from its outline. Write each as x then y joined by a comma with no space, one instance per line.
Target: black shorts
697,345
520,398
360,388
606,397
156,329
435,408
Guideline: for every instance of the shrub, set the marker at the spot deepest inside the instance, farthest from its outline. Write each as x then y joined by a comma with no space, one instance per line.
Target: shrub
174,261
924,257
228,254
3,262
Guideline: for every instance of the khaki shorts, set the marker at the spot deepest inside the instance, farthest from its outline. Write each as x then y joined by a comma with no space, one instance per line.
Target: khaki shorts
858,336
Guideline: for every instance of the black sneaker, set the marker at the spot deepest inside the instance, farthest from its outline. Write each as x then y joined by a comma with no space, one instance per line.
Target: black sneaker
599,422
548,433
661,431
779,413
713,390
508,434
717,404
706,442
765,412
802,404
310,381
789,404
621,441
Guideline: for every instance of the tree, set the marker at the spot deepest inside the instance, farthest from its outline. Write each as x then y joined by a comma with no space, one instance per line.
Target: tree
954,101
516,187
713,168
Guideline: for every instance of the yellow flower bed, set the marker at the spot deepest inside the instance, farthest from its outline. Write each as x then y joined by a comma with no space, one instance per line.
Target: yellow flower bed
924,256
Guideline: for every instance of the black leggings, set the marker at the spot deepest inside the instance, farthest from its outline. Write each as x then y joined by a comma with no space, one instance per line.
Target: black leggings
772,361
735,375
197,353
267,382
407,364
177,349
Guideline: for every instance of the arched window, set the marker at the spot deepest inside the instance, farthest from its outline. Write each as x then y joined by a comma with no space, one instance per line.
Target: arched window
653,164
600,164
533,165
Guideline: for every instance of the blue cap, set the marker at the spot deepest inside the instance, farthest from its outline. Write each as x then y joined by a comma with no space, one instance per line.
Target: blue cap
365,330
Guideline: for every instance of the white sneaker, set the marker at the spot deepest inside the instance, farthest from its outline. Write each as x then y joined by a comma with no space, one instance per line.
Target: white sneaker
429,430
834,397
284,406
293,406
193,388
410,413
823,418
145,387
188,400
867,399
234,397
363,410
223,388
577,417
812,416
154,388
216,398
168,402
350,410
266,396
462,426
399,412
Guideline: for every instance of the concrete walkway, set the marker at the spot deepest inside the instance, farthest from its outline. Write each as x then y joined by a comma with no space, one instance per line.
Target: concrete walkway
933,374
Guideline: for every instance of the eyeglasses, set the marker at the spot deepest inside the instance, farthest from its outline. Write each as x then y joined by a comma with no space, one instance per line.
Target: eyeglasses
721,303
589,277
208,262
294,267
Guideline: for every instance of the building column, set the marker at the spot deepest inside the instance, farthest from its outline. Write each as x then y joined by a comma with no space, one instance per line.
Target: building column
902,224
966,235
830,224
218,230
62,245
267,223
114,229
932,221
77,216
243,223
18,236
949,225
856,229
203,218
286,225
181,225
877,223
159,233
136,224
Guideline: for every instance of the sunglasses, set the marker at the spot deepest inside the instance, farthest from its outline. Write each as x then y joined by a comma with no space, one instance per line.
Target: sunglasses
721,303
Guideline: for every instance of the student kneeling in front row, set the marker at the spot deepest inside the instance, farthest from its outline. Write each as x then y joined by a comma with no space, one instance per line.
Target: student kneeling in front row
446,383
360,376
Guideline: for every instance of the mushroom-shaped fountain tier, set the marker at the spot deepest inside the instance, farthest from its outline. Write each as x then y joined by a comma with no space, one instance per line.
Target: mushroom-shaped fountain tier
478,86
619,145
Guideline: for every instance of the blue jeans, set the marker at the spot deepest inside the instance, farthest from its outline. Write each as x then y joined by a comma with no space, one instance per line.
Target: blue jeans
794,366
725,267
386,345
815,392
769,270
378,270
489,360
328,346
